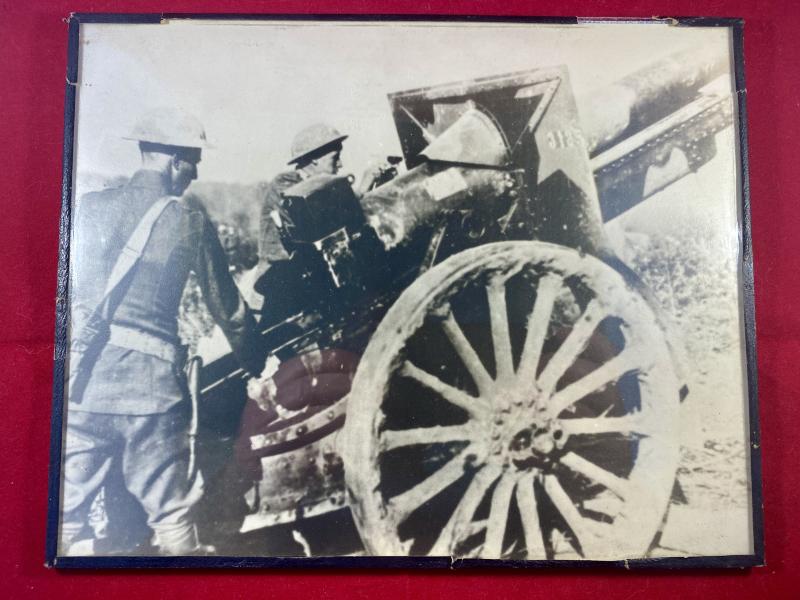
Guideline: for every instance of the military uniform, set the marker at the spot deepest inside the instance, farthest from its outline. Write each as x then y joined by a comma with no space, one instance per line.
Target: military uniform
268,250
135,409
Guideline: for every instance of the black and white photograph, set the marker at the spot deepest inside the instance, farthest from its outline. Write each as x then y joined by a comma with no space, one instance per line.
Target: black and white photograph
365,288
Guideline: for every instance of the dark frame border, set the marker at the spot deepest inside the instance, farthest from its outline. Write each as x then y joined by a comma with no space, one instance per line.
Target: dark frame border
373,562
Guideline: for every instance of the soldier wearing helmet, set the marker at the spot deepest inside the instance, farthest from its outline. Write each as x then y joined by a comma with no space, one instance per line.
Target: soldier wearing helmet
129,411
316,150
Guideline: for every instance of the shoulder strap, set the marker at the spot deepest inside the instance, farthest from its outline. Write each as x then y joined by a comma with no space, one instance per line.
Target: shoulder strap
134,247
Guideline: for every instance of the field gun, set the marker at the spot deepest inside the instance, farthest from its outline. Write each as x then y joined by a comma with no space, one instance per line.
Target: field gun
468,369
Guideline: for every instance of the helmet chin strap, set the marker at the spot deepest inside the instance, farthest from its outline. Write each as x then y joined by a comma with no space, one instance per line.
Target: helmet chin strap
166,164
311,168
172,178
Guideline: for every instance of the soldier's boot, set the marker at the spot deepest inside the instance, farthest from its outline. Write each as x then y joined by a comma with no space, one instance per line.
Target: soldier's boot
180,540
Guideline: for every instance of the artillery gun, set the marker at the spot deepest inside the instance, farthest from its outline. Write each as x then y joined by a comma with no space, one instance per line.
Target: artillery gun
468,369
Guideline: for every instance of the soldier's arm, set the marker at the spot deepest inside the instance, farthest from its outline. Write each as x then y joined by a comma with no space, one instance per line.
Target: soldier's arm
287,230
268,232
223,299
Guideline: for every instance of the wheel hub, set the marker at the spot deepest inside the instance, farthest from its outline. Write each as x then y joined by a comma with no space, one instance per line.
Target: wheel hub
535,446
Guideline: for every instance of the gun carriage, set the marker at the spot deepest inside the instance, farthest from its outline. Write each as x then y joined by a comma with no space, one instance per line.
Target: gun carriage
467,367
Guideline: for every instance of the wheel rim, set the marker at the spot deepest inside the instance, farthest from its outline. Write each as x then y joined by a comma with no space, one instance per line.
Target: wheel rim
505,445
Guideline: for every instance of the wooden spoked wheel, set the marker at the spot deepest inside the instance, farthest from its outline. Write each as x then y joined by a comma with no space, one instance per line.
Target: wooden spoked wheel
518,401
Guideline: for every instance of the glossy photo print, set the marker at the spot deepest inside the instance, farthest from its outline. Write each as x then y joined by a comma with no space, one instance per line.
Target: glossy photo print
373,292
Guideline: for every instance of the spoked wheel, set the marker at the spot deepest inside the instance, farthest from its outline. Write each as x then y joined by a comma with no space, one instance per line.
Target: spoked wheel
518,401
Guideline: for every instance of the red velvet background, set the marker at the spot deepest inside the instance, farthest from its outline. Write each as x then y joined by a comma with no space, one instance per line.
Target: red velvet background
33,43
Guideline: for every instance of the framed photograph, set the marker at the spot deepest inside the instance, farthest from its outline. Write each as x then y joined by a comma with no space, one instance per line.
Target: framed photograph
404,292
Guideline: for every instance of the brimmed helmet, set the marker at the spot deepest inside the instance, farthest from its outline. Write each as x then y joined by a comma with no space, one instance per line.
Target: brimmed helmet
312,138
170,127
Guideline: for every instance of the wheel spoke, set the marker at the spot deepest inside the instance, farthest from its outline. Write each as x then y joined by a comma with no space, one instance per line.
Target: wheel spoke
602,376
407,502
475,528
529,513
565,506
474,406
629,424
606,503
391,438
468,355
538,321
498,518
459,523
621,487
501,339
571,348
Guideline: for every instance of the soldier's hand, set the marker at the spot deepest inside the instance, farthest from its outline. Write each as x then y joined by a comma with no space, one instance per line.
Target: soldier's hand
372,176
270,367
262,392
262,389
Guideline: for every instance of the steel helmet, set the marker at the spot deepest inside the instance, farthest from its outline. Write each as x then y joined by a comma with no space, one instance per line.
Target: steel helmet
313,138
171,127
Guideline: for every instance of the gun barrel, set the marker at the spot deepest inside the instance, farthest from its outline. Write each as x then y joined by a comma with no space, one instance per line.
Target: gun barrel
648,161
648,95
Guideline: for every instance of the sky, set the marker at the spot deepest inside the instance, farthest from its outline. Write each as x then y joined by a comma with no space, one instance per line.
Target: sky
255,84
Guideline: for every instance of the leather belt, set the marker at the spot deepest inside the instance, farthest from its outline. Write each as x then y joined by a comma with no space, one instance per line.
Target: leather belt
140,341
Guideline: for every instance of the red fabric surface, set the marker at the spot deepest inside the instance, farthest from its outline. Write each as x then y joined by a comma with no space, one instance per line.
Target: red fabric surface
33,43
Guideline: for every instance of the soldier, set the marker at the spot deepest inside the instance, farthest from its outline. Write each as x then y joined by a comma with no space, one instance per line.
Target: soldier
128,405
316,150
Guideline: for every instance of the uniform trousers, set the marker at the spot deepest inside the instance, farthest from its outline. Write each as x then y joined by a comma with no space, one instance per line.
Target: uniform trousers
151,452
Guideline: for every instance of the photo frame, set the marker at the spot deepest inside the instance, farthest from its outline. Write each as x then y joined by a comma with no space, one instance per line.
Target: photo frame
523,336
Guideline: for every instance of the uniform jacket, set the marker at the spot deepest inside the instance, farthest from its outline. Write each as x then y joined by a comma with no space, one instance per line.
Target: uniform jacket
183,239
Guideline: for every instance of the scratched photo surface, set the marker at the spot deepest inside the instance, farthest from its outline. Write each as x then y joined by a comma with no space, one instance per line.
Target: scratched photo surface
467,290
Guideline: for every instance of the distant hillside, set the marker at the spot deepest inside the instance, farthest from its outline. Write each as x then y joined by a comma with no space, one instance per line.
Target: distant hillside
231,203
